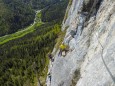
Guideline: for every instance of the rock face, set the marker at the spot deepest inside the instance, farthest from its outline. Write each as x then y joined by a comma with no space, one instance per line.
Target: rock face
90,60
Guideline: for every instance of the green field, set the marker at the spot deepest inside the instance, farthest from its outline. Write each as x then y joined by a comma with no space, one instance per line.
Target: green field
23,32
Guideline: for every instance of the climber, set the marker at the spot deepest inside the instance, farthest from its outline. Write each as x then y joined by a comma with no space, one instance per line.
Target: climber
49,76
63,50
50,57
70,36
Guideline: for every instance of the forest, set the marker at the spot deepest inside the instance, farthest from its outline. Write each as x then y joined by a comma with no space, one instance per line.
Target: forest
17,14
24,60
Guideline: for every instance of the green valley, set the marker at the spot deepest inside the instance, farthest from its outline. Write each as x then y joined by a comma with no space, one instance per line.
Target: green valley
18,14
23,32
23,53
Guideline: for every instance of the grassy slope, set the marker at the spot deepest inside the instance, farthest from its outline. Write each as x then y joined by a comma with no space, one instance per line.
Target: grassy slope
22,33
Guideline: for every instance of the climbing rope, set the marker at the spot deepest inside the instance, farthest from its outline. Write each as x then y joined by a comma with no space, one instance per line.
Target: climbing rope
104,61
113,78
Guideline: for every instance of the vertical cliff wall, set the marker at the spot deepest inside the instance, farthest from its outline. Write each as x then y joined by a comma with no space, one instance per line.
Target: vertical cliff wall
90,60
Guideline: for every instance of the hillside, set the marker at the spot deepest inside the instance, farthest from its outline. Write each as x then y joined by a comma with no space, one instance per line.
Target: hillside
23,54
90,58
18,14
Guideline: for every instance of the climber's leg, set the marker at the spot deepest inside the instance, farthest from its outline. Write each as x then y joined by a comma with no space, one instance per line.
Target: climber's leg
60,53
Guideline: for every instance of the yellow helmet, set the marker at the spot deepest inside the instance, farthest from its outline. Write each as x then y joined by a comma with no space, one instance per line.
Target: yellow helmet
62,46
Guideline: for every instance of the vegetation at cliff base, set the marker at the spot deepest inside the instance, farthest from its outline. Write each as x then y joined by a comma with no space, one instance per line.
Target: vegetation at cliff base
23,54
